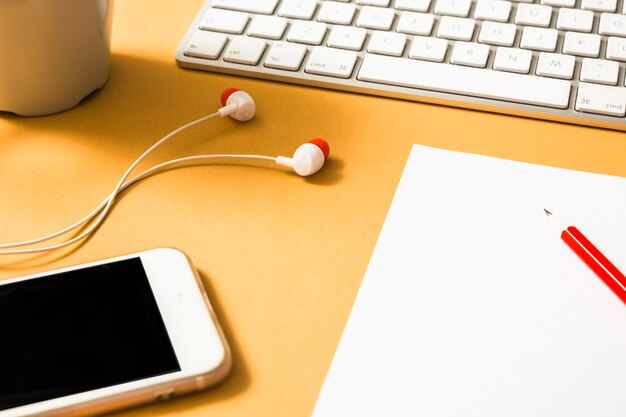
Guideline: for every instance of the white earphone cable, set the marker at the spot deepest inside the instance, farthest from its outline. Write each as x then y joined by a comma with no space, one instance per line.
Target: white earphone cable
126,185
108,202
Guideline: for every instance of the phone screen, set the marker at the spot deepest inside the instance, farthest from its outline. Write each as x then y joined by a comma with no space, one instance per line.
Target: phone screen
80,330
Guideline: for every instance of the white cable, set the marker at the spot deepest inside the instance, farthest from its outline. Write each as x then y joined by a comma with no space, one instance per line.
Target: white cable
126,185
109,201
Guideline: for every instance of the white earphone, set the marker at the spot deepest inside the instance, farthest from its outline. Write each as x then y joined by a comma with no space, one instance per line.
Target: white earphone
237,104
307,160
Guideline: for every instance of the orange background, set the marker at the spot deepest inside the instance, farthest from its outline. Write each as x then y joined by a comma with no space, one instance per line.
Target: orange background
282,256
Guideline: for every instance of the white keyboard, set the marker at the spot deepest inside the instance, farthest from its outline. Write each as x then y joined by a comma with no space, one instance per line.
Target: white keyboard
560,60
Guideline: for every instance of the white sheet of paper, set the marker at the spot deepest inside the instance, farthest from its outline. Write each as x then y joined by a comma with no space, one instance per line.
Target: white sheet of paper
472,305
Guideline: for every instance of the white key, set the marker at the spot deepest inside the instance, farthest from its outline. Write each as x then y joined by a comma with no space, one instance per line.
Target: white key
302,31
245,50
381,3
332,62
252,6
206,45
470,53
616,48
574,19
478,82
297,9
559,3
513,60
285,55
269,27
413,5
347,37
533,15
335,12
416,23
457,28
599,71
539,39
601,99
582,44
496,10
556,65
375,18
599,5
387,43
459,8
612,24
429,49
224,21
493,33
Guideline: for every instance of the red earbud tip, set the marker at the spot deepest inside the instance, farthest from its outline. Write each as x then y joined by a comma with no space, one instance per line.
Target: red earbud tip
226,94
323,145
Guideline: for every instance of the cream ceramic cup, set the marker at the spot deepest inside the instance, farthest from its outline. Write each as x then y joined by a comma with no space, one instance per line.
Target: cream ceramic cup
53,53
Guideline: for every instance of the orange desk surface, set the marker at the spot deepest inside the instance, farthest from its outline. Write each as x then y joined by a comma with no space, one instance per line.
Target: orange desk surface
282,256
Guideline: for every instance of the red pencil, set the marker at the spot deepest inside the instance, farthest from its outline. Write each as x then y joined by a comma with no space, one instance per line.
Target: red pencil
585,250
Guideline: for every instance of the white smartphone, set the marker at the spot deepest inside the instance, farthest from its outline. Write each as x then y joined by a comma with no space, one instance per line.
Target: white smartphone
105,335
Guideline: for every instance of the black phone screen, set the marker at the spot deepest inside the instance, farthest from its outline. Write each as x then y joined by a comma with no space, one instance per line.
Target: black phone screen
81,330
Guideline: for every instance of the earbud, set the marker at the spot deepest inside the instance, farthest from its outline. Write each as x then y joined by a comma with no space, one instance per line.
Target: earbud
308,158
237,104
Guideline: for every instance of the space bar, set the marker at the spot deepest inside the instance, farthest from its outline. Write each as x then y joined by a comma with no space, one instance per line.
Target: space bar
468,81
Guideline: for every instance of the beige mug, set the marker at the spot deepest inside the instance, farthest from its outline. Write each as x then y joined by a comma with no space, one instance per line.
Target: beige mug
53,53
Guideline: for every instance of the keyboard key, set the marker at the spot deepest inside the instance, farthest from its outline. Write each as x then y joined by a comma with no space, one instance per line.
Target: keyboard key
495,10
457,79
269,27
601,99
251,6
572,19
616,49
559,3
533,15
381,3
375,18
298,9
244,50
458,8
599,71
493,33
556,65
581,44
612,24
335,12
311,33
456,28
347,37
599,5
539,39
387,43
331,62
285,55
513,60
224,21
470,54
429,49
207,45
413,5
416,23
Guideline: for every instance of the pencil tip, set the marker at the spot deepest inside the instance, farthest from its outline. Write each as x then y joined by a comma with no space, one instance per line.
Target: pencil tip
547,212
